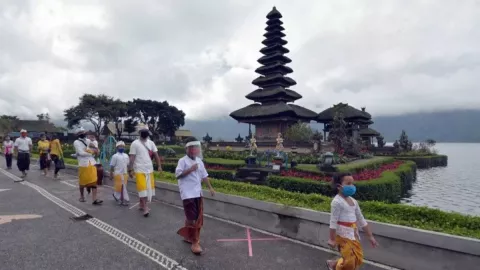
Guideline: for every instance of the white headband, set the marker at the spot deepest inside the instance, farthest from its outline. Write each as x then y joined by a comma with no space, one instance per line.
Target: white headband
194,143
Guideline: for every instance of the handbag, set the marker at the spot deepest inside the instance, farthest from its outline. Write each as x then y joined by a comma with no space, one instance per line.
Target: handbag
60,164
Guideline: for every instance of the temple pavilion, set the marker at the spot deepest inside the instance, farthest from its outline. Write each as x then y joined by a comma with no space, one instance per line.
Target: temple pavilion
272,111
357,121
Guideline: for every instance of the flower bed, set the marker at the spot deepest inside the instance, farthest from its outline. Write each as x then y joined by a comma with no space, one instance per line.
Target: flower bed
387,183
412,216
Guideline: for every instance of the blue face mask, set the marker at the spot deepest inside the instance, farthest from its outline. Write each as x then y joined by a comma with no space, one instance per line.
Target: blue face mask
349,190
121,150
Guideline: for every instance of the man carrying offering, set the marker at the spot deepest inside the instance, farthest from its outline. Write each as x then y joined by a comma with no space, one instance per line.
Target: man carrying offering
190,173
142,151
87,173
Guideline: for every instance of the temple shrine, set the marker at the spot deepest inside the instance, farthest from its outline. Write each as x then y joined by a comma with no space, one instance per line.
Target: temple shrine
272,111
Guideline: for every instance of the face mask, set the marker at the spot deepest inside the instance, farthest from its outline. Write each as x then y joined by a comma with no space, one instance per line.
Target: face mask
144,135
349,190
81,136
121,150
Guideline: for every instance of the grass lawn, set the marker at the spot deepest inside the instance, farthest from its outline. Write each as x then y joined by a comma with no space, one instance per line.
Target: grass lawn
308,167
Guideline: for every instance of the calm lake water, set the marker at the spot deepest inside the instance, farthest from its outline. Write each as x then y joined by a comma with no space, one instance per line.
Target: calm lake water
453,188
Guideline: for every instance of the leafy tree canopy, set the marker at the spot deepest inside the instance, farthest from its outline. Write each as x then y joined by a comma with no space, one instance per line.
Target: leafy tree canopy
299,132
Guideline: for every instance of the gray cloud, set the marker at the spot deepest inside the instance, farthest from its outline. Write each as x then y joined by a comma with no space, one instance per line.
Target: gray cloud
393,57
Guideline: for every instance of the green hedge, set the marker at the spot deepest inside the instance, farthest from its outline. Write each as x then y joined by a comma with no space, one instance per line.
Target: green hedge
406,215
425,162
388,188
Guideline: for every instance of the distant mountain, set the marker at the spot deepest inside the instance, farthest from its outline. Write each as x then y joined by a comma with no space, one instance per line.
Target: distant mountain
449,126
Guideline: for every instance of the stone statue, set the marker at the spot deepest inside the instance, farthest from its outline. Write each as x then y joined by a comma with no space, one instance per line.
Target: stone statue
279,146
253,145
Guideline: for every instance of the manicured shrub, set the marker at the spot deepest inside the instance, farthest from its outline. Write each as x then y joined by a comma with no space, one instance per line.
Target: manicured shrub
387,185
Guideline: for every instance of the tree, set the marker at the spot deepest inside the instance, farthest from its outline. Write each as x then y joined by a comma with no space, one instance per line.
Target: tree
338,133
41,117
299,132
9,117
404,143
130,125
94,109
380,141
118,114
239,138
160,117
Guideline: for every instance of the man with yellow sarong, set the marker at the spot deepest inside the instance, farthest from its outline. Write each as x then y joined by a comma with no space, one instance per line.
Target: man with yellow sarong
142,151
87,173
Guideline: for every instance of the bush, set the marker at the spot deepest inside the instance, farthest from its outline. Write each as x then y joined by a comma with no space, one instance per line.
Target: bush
388,188
406,215
424,162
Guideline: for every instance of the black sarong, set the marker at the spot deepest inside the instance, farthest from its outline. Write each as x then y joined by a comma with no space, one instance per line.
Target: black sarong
192,208
23,161
44,161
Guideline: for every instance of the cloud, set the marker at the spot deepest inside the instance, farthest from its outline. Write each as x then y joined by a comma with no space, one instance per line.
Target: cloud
393,57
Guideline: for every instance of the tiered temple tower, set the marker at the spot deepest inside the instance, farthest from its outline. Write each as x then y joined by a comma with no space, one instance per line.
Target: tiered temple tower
272,112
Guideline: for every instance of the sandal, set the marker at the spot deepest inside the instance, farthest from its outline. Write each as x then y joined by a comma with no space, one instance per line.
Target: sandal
97,202
328,265
81,200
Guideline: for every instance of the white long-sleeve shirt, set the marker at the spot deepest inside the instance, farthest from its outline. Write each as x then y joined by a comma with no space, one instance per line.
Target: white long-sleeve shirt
341,211
84,158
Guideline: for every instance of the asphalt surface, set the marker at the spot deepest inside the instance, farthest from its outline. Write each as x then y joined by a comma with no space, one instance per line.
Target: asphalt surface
55,241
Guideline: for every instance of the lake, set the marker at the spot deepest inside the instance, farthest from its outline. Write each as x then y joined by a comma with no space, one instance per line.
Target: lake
453,188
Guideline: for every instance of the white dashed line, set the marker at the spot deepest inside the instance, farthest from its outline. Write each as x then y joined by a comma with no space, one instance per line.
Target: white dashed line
149,252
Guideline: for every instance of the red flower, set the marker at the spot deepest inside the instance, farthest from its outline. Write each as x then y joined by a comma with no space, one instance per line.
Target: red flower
367,174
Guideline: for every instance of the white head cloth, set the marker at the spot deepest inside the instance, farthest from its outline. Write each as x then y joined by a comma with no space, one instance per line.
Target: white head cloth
23,131
80,130
120,143
194,143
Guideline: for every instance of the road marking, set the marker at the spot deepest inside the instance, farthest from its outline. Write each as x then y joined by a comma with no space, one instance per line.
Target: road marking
249,239
8,219
68,184
149,252
4,190
134,205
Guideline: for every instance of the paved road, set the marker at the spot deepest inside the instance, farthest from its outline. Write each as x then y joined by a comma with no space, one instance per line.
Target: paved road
121,238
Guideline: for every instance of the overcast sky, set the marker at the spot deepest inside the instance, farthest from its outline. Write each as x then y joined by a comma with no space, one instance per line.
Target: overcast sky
393,57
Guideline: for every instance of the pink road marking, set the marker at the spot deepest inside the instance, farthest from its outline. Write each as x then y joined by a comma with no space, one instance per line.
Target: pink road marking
249,239
252,239
250,250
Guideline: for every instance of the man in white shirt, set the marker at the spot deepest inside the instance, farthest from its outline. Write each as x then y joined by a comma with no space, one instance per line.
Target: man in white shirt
119,174
22,149
142,151
87,173
190,173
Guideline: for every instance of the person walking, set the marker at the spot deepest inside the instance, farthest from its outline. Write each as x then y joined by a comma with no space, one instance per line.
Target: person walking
142,151
56,154
44,148
7,147
98,164
87,173
190,173
119,174
22,150
345,215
